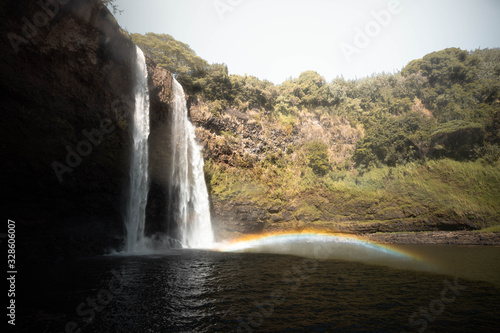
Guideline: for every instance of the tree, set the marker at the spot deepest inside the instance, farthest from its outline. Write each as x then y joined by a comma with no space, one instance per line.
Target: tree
249,92
394,141
111,5
176,57
216,85
458,140
318,158
311,89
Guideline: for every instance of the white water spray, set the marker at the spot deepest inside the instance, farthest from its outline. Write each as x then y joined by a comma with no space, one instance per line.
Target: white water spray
191,208
139,179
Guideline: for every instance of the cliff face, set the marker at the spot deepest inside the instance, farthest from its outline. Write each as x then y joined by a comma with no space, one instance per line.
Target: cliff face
160,87
67,82
253,151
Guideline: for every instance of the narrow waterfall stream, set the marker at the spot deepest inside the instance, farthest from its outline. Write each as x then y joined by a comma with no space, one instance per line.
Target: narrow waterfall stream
191,209
139,179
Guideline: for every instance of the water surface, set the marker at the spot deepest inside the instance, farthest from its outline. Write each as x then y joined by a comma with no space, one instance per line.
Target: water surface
204,291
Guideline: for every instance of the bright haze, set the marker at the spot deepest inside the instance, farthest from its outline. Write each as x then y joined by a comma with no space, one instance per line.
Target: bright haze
279,39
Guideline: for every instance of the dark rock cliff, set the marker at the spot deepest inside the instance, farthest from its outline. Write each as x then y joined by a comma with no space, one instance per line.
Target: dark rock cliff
160,85
67,75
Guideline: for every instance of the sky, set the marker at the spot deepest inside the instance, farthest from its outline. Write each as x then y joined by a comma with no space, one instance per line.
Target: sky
279,39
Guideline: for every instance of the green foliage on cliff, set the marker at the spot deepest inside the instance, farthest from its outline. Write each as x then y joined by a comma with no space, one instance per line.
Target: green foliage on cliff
175,56
409,116
428,136
458,82
111,4
318,158
414,193
404,115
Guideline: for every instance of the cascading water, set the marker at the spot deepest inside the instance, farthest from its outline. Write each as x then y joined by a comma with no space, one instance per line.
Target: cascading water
190,209
139,179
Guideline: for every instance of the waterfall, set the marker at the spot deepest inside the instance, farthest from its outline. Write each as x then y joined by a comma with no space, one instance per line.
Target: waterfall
139,182
190,209
188,197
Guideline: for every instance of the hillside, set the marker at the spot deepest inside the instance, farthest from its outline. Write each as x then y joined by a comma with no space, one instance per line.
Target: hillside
411,151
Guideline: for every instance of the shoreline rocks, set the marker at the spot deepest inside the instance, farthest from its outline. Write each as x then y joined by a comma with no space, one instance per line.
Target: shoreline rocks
437,237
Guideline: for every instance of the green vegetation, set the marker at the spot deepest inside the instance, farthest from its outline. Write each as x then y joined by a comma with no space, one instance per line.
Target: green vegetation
494,228
112,5
442,188
174,56
421,143
318,158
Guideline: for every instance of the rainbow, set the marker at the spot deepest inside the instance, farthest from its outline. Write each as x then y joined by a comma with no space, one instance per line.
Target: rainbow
318,245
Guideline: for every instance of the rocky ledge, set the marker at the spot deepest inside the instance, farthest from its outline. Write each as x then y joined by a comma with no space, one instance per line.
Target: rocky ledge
437,237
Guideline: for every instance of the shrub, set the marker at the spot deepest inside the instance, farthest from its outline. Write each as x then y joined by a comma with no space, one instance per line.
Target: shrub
318,158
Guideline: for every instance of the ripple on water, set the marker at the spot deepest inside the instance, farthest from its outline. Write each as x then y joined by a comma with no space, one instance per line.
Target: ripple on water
201,291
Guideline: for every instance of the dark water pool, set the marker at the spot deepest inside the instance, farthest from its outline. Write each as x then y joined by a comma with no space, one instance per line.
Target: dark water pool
202,291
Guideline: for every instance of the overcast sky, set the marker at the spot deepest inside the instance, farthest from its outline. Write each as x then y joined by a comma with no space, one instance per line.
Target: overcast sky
278,39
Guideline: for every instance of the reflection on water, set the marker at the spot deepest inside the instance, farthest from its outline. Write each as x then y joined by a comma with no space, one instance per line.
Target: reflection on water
201,291
480,263
470,262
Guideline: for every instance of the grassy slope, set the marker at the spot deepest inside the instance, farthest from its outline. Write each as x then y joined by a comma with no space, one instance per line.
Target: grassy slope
443,189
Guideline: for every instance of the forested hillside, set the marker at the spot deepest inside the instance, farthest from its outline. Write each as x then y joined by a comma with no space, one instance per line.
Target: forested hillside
415,150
